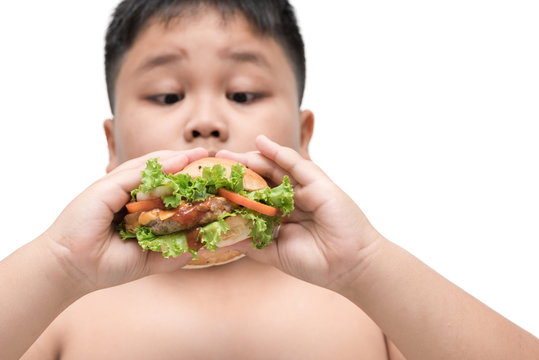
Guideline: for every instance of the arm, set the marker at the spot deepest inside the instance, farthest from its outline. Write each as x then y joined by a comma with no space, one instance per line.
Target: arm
81,252
329,242
34,291
432,318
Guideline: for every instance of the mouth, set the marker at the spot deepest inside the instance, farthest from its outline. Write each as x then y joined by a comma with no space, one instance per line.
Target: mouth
212,153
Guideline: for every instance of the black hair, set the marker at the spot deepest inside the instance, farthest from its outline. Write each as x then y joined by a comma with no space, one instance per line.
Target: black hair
275,18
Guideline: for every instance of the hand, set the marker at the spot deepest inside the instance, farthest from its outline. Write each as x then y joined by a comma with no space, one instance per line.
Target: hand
84,239
327,238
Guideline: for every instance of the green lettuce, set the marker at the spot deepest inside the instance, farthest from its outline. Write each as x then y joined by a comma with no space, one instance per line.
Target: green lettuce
170,245
281,197
263,227
184,188
152,177
188,189
175,244
210,234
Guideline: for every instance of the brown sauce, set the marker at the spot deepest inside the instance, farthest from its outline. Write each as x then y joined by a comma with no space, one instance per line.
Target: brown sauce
192,239
189,215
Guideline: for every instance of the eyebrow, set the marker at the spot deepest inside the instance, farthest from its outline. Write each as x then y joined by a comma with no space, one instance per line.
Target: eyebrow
160,60
236,56
246,57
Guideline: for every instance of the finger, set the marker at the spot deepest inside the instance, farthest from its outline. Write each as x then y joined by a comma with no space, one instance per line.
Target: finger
163,157
286,251
296,216
115,188
301,169
157,264
129,178
175,163
259,164
269,255
141,161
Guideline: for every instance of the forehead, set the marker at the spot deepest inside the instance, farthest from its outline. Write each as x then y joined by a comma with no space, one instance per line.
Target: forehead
205,33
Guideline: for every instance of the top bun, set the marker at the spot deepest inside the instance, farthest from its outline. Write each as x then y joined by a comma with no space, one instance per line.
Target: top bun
251,180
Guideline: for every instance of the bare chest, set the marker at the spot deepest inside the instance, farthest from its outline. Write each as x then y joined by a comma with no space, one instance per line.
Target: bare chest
278,318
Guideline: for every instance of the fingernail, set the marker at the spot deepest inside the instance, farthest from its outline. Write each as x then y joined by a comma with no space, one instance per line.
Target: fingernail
276,231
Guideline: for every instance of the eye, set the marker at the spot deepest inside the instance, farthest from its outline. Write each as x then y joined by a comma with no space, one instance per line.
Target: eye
243,97
167,99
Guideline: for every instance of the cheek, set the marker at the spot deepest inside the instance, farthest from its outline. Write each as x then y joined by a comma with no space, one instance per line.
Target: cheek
285,132
282,126
137,136
278,125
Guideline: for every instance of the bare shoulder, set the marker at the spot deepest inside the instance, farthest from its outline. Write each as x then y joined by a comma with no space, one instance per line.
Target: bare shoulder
234,308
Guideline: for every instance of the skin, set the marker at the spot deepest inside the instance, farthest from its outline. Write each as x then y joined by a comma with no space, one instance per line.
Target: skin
331,272
205,76
234,62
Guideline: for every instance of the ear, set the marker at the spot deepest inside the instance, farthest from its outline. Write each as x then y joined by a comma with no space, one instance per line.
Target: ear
306,132
108,125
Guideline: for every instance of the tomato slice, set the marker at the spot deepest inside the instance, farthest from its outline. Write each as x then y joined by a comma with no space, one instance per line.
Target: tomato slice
248,203
145,205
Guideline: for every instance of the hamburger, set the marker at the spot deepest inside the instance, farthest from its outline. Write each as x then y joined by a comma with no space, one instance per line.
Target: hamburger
210,204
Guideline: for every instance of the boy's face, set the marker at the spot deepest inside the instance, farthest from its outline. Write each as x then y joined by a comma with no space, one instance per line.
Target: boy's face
200,81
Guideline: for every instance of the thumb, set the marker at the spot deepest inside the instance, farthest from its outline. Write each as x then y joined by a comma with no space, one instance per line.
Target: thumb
156,263
269,255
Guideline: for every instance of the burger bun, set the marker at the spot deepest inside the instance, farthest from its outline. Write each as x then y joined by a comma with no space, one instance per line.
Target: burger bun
240,229
251,180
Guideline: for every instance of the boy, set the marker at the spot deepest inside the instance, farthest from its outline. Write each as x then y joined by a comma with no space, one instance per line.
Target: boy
210,76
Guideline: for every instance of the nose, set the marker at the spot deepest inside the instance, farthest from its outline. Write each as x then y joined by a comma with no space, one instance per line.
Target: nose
206,122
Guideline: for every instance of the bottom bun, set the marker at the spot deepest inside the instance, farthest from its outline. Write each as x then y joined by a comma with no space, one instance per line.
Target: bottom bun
240,229
219,257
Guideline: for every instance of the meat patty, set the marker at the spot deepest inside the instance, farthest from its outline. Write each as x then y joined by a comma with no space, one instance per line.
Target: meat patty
188,216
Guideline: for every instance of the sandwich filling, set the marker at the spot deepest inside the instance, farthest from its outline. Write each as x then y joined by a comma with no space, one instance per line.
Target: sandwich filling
174,214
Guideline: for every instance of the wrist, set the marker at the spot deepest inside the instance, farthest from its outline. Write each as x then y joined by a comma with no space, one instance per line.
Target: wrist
355,261
366,273
61,268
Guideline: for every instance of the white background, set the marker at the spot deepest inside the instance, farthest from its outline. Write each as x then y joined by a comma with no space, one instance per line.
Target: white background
427,114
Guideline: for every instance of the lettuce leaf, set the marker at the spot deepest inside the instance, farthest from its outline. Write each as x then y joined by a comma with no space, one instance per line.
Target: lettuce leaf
281,197
173,245
236,178
263,227
170,245
202,187
152,177
210,235
124,234
184,188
